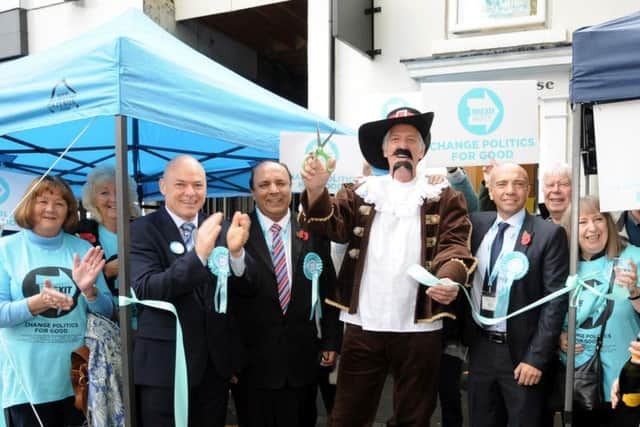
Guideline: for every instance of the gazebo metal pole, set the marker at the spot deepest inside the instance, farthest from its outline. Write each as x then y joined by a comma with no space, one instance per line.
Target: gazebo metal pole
122,198
576,134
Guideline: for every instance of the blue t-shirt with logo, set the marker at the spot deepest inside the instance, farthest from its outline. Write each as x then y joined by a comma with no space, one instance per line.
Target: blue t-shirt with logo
39,347
622,326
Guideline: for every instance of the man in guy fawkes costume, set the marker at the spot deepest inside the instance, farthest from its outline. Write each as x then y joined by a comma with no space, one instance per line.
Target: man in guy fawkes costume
390,222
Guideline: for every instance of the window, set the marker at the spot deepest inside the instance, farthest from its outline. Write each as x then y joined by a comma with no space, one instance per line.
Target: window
466,16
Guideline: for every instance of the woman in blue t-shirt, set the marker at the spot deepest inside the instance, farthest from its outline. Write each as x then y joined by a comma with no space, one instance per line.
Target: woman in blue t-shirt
46,290
600,246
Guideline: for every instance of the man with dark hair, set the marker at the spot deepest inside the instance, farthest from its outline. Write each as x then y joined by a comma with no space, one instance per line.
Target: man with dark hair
521,259
288,329
390,222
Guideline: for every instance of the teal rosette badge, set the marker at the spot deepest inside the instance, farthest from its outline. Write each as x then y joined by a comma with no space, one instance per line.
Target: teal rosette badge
312,267
218,263
511,266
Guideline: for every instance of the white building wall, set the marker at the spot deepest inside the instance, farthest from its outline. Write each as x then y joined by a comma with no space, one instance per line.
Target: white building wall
411,31
53,22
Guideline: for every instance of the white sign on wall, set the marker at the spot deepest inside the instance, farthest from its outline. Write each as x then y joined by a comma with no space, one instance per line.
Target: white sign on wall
376,106
479,121
294,147
616,129
12,188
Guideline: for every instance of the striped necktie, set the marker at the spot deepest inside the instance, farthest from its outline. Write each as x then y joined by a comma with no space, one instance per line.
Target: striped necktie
280,267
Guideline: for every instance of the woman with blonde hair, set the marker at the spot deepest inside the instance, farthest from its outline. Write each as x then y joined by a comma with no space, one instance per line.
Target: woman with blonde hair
611,267
99,199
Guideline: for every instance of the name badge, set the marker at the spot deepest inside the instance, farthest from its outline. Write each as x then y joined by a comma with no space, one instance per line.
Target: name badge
488,304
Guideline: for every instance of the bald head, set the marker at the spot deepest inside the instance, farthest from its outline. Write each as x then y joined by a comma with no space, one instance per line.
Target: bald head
509,188
184,161
184,186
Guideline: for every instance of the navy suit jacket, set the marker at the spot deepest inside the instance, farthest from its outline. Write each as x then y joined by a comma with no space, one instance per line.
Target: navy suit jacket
284,349
158,273
533,335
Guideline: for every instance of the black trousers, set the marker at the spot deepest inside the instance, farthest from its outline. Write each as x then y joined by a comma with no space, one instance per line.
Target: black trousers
495,398
284,407
60,413
449,391
207,403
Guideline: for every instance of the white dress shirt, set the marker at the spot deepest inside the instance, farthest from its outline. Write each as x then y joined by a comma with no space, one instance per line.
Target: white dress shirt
484,254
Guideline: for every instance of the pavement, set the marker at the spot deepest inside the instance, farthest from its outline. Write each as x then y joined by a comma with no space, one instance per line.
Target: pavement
385,410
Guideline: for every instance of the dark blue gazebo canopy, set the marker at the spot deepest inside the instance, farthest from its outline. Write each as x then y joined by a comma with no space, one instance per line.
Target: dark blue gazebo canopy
606,61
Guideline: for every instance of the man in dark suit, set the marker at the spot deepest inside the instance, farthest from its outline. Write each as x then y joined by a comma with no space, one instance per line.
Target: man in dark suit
169,251
508,361
285,345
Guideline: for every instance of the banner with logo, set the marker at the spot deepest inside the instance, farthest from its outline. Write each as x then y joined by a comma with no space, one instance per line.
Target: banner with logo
617,128
479,121
12,188
294,147
376,106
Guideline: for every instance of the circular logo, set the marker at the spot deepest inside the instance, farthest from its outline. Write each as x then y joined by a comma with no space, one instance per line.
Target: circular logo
4,190
331,148
480,111
60,279
176,247
391,104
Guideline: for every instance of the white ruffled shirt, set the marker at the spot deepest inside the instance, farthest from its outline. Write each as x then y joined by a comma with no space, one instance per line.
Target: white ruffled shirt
387,293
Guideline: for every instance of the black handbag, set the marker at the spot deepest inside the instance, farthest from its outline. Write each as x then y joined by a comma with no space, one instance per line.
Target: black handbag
588,393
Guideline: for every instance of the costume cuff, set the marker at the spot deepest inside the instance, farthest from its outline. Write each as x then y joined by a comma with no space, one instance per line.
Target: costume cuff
455,270
320,211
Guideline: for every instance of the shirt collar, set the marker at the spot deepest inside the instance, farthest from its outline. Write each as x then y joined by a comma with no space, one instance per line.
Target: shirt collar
267,222
516,220
179,221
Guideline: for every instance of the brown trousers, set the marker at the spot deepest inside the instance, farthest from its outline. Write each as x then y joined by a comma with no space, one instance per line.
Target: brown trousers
412,359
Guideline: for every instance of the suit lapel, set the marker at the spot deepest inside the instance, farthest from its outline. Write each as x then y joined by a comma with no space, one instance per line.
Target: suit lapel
522,243
481,228
258,244
296,247
165,223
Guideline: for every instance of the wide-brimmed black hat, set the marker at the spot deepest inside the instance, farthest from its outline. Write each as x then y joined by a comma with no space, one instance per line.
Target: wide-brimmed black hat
370,135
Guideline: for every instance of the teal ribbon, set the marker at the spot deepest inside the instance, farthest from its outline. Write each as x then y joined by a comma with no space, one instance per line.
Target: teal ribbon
181,386
312,267
218,263
573,282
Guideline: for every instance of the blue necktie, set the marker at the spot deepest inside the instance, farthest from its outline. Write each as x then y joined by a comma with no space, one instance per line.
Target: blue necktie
496,247
187,234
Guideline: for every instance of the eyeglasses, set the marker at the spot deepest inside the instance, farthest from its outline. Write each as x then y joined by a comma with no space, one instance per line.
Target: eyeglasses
560,184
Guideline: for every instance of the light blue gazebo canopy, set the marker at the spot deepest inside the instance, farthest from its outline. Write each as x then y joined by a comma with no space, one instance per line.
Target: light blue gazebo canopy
176,101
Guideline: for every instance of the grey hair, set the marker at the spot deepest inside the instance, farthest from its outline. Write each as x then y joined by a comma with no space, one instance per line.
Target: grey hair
101,175
557,169
385,140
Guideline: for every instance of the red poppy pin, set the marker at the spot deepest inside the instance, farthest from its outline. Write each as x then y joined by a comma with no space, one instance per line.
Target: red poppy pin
525,239
303,235
88,237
